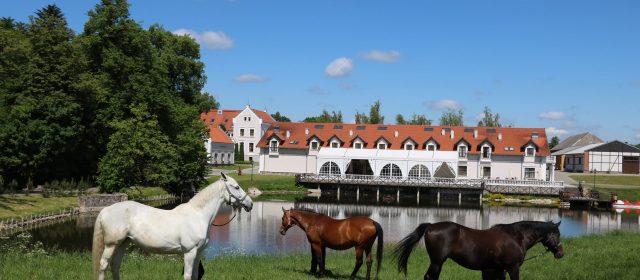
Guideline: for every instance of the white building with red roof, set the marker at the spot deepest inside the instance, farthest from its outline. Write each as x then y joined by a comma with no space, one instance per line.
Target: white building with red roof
413,151
228,128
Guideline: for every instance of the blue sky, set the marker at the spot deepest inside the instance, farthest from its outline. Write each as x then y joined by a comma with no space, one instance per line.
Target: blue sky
568,66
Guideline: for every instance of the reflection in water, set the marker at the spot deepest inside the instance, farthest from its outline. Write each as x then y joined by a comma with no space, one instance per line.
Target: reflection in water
257,232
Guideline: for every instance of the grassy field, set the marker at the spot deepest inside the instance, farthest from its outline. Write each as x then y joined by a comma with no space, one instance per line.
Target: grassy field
627,187
14,206
611,256
268,182
233,166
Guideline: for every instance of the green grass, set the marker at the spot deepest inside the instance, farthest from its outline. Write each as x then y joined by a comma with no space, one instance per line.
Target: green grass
611,256
14,206
232,167
608,180
268,183
627,187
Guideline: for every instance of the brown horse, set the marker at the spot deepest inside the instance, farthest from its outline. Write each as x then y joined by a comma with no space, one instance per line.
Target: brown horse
323,231
494,251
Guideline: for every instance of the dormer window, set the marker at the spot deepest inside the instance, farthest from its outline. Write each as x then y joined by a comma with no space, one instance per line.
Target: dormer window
431,147
382,146
530,151
462,151
273,146
314,145
408,146
335,144
486,152
357,145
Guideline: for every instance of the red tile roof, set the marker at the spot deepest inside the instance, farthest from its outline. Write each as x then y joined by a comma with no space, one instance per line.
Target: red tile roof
511,143
218,135
225,117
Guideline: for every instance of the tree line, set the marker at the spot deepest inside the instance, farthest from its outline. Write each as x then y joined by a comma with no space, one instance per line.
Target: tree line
116,105
449,117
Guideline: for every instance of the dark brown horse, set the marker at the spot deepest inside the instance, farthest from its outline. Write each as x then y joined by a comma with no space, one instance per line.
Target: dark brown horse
323,231
497,250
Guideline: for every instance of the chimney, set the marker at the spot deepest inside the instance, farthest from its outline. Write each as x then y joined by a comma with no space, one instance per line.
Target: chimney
396,134
475,134
452,134
306,131
276,129
219,112
288,134
500,136
350,132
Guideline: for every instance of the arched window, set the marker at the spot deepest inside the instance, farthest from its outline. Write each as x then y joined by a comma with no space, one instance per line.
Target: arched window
390,170
419,171
330,168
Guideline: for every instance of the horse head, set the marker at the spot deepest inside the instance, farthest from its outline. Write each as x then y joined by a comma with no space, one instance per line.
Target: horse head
286,221
235,196
551,240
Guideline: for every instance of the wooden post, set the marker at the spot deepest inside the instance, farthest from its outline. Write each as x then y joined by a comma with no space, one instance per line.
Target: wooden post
418,199
398,196
438,198
459,198
357,194
338,192
378,194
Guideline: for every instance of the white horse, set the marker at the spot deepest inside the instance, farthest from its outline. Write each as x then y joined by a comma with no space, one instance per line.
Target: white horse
182,230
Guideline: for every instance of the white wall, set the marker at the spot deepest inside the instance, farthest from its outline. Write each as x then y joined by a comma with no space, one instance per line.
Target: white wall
248,120
287,161
219,153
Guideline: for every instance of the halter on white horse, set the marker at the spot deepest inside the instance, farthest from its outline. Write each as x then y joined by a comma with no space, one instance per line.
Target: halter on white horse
182,230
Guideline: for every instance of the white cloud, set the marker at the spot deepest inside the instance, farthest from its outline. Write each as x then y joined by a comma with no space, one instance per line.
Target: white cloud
556,131
208,39
382,56
552,115
339,68
445,104
245,78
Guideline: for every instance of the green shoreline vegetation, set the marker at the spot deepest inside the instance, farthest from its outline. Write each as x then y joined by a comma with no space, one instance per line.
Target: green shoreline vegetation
609,256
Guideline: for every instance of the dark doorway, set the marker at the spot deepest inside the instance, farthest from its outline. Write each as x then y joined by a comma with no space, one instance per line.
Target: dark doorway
359,167
631,165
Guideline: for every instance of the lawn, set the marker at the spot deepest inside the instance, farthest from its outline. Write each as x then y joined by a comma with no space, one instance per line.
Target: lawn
611,256
233,167
267,183
627,187
608,180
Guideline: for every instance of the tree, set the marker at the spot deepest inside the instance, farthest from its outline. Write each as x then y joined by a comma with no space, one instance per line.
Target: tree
325,117
554,142
374,116
280,118
137,154
415,120
489,119
452,118
638,146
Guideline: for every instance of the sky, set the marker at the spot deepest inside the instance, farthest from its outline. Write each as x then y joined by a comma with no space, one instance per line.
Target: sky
567,66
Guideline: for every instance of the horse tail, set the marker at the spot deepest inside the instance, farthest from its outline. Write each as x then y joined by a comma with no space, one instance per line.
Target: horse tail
379,233
98,245
403,250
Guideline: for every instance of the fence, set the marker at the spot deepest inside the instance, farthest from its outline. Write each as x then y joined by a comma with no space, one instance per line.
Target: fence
31,221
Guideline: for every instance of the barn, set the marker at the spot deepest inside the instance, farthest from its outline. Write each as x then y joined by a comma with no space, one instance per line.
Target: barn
610,157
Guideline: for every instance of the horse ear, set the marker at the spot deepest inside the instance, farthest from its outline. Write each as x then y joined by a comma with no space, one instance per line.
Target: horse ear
283,209
558,224
224,177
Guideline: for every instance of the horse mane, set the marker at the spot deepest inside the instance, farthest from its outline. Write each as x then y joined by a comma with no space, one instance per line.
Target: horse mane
305,210
204,196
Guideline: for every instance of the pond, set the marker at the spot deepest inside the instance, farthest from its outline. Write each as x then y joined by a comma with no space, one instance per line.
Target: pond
257,232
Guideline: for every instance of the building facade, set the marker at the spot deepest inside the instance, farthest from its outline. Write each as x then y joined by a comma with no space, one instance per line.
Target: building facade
410,151
243,129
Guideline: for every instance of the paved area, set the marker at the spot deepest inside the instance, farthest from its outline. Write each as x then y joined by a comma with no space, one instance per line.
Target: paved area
564,176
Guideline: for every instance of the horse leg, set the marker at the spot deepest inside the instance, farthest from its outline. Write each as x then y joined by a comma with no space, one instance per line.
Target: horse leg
493,275
367,251
324,259
433,273
358,262
189,258
116,258
105,260
514,273
316,250
195,275
314,262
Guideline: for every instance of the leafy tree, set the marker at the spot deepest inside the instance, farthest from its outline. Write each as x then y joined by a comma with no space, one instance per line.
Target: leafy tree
452,118
325,117
137,154
374,116
241,152
236,152
415,120
280,118
554,142
638,146
489,119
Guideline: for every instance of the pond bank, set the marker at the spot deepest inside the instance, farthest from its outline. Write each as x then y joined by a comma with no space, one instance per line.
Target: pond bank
586,257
